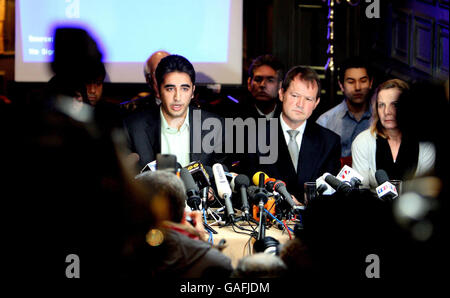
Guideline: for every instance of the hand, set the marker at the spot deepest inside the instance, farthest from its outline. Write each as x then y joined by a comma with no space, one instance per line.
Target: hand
295,201
197,219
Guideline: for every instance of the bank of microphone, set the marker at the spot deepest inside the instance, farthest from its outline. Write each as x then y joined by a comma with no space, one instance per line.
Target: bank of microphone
279,186
346,175
386,191
223,188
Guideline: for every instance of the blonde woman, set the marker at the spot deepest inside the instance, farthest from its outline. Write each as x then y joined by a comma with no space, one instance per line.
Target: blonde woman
384,146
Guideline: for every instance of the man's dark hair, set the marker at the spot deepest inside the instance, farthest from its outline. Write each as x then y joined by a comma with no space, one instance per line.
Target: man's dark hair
268,60
305,73
173,63
98,72
354,62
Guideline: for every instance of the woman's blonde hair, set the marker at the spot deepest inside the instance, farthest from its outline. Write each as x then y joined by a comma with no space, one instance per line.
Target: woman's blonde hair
376,128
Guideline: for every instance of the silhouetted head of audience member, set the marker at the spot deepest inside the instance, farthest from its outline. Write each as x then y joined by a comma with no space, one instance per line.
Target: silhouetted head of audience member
341,230
166,184
260,265
76,61
79,199
424,112
76,54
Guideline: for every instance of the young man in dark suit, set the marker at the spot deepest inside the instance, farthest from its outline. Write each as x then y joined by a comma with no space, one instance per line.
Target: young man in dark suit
264,81
176,127
306,150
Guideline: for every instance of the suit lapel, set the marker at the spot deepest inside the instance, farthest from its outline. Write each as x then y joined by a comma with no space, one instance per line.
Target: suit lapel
284,158
308,154
192,155
154,134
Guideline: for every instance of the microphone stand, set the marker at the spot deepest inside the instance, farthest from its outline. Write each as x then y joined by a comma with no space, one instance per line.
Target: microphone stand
205,224
262,221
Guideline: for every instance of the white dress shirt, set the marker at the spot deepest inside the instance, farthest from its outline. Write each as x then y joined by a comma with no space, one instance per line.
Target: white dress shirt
298,138
176,141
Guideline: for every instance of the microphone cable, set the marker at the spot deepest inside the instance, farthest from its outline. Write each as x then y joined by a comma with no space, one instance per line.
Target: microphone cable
267,211
210,238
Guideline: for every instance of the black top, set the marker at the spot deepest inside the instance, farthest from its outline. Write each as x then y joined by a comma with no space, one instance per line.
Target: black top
406,164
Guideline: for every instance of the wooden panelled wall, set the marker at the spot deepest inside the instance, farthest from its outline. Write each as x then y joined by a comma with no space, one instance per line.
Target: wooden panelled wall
420,37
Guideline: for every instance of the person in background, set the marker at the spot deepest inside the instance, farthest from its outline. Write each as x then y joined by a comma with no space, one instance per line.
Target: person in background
94,84
385,146
147,100
264,81
260,265
149,72
181,253
353,114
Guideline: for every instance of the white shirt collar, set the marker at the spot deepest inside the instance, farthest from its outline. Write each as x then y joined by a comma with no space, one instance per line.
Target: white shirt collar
268,116
286,127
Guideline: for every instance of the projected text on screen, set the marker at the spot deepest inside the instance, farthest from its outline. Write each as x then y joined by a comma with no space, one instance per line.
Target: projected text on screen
129,31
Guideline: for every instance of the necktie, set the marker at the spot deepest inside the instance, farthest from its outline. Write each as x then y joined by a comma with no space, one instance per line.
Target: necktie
293,147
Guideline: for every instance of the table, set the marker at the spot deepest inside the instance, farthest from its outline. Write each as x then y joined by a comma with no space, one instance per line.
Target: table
238,245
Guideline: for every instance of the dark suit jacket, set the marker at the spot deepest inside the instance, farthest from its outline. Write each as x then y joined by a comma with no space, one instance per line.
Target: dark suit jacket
144,136
248,109
320,152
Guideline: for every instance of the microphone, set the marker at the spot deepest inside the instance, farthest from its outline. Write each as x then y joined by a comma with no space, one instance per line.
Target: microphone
324,188
241,183
199,174
257,195
151,166
338,185
256,176
385,191
275,185
347,174
204,197
223,188
193,198
210,173
280,187
167,162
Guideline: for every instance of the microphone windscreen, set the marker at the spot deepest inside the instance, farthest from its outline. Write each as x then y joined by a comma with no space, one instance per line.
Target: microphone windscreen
255,178
241,180
381,176
188,181
251,190
333,181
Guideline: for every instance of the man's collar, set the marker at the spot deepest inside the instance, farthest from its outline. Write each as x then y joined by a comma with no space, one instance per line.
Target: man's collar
268,116
343,111
285,126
